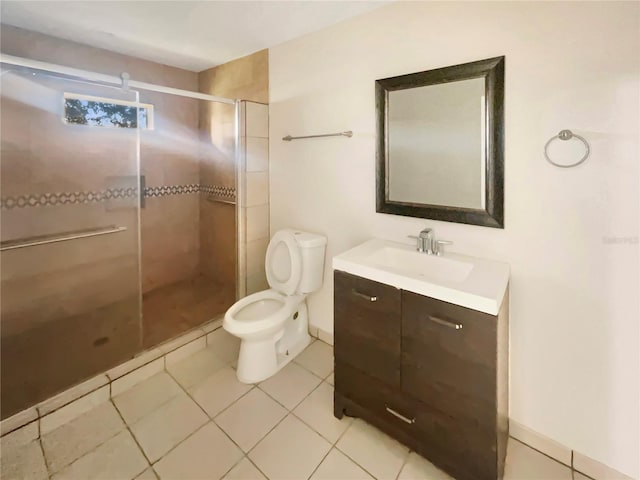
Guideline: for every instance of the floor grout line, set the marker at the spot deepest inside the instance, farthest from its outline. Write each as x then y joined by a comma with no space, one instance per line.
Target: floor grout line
289,412
115,434
44,456
211,419
179,443
349,456
404,463
542,453
185,390
333,446
127,426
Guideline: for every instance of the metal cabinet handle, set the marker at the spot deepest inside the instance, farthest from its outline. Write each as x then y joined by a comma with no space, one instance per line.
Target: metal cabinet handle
400,416
364,295
445,323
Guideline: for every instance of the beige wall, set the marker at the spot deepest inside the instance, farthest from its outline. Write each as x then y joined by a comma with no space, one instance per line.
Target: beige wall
246,78
571,235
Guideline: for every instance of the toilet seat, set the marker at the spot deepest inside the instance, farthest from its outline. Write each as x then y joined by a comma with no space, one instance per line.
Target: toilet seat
279,279
260,312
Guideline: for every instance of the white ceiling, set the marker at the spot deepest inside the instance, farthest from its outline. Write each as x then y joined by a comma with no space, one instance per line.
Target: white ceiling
194,35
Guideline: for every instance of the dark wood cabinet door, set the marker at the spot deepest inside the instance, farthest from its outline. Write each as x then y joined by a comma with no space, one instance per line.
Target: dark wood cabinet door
449,358
367,326
464,452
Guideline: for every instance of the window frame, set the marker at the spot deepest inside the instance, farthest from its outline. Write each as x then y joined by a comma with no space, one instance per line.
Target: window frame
148,107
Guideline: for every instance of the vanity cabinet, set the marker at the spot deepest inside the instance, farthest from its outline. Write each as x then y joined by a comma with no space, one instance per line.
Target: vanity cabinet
431,374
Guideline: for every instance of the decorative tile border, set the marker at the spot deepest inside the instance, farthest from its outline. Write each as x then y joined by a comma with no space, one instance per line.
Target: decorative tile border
226,192
64,198
165,190
77,198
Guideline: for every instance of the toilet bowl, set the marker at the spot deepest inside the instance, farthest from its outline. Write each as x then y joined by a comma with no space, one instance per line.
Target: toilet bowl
273,324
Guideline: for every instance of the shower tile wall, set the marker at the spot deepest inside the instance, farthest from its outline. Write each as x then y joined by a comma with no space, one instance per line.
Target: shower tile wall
169,155
254,197
218,232
246,78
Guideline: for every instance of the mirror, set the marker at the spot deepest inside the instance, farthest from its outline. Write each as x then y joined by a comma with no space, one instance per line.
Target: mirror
440,144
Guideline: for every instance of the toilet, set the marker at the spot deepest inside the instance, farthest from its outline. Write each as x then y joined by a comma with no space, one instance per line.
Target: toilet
273,325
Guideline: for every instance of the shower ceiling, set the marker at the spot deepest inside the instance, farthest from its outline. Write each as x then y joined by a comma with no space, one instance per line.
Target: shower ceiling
190,35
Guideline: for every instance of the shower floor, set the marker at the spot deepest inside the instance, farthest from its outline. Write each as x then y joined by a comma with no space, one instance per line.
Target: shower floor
42,361
170,310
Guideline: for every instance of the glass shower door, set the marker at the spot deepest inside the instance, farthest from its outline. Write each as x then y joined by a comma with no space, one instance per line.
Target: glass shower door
69,257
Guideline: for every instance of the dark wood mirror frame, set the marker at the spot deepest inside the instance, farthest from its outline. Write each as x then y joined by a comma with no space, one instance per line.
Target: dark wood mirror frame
492,69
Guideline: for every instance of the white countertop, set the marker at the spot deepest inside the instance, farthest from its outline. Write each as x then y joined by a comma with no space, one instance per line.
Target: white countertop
470,282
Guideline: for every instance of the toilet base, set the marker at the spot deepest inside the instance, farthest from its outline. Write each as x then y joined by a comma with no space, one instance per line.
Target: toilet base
260,359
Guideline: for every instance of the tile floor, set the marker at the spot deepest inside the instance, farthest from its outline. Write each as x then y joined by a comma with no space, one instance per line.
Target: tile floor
196,421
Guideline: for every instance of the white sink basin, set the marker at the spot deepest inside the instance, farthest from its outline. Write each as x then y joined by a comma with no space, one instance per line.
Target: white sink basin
471,282
411,263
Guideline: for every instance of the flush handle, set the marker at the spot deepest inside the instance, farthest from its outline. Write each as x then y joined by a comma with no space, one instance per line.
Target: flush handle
445,323
400,416
364,295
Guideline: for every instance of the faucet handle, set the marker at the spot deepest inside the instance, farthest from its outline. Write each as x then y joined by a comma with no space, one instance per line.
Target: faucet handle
439,244
420,242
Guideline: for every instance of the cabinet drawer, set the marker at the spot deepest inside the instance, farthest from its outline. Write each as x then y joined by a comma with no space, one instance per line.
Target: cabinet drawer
449,354
367,326
380,400
452,444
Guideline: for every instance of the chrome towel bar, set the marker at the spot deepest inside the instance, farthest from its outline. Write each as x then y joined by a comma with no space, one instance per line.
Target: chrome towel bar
220,200
59,237
348,133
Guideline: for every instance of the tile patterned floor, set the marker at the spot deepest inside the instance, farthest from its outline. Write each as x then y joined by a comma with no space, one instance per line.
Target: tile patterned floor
196,421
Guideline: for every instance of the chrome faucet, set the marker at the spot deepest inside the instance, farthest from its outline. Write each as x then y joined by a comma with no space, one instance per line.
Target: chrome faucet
427,243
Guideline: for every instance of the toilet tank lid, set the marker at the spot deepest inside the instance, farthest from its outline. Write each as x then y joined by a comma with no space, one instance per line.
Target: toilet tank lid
306,239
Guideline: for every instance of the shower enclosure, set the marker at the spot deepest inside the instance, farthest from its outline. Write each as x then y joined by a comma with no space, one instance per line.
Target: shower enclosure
118,224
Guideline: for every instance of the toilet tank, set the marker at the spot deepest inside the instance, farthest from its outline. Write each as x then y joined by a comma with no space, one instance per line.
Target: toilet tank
312,247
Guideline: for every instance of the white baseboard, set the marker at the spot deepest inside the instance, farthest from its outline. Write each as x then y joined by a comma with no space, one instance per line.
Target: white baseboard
326,337
320,334
563,454
543,444
595,469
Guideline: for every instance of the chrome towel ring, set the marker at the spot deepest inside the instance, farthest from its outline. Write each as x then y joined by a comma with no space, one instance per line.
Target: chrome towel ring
567,135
